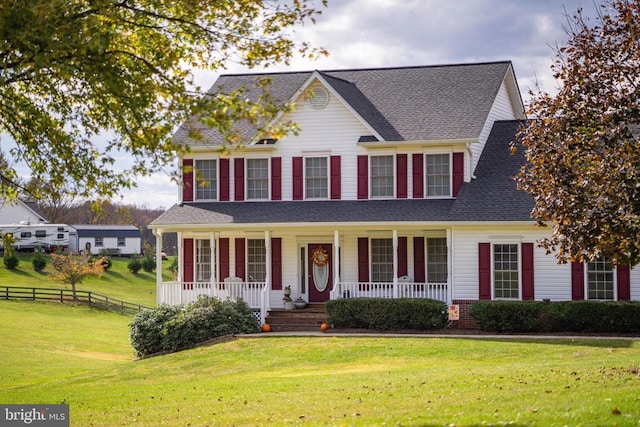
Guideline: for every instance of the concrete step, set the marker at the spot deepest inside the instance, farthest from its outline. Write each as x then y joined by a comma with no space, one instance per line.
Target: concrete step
306,319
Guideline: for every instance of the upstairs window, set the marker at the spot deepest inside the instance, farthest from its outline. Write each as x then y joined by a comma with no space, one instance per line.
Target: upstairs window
257,179
600,280
206,180
438,175
506,272
381,176
316,177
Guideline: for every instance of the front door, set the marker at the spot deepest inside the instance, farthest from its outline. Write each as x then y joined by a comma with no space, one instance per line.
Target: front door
320,271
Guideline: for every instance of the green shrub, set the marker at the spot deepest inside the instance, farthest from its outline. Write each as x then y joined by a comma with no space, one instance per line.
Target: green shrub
173,328
148,262
508,316
39,260
106,259
11,261
387,314
134,265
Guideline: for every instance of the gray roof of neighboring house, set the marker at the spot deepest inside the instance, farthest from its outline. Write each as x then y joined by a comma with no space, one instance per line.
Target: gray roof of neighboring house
98,230
491,196
401,104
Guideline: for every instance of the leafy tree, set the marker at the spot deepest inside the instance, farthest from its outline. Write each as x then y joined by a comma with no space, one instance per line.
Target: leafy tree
73,72
582,144
39,260
9,257
134,265
148,260
73,269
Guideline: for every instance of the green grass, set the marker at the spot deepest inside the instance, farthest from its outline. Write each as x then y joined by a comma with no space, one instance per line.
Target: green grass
60,353
118,282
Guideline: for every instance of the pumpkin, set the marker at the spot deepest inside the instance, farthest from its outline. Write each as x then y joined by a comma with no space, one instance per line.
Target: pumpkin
324,327
265,327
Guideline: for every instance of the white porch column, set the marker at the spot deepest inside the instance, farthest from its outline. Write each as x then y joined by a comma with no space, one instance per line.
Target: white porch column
267,247
336,259
214,278
395,263
159,299
180,257
450,266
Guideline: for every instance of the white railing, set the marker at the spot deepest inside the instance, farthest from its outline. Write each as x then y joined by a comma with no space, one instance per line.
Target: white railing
437,291
252,293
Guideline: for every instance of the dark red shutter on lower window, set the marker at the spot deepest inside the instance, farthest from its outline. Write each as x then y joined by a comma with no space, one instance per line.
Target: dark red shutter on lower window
276,178
238,176
528,291
336,178
276,263
402,178
484,271
223,258
187,264
418,176
363,177
187,180
458,172
225,180
577,280
418,260
402,257
363,259
624,282
240,256
298,187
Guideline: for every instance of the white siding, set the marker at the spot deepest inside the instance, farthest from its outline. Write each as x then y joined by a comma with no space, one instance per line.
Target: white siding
635,284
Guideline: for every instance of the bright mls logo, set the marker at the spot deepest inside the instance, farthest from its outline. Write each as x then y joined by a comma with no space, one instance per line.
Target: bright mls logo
34,415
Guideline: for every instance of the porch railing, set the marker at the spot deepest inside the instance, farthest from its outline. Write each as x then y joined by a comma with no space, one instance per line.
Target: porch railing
186,292
437,291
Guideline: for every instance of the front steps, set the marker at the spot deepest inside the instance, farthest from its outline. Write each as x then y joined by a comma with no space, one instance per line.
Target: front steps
306,319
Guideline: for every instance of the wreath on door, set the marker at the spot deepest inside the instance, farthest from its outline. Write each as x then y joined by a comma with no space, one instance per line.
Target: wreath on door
320,257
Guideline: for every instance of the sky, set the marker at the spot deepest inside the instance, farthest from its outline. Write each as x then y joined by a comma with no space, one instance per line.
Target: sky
393,33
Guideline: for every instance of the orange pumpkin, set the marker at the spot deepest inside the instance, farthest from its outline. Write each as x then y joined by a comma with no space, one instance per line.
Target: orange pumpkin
324,327
265,327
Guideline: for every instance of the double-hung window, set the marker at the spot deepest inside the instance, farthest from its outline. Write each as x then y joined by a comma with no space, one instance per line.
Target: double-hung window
438,175
99,242
203,260
506,271
600,280
206,179
256,260
381,260
437,260
316,177
122,241
257,179
381,176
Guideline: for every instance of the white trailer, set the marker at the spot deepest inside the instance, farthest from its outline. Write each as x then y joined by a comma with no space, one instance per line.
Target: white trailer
49,237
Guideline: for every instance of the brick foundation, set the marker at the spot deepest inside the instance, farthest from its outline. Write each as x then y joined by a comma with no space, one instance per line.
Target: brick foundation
466,321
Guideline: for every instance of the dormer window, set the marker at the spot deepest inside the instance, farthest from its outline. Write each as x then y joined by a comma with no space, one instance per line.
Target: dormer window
438,175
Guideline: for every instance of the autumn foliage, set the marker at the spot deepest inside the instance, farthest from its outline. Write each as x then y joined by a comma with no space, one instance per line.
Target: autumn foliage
73,269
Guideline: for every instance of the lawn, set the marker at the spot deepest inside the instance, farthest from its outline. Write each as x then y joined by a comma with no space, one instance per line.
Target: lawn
81,356
118,282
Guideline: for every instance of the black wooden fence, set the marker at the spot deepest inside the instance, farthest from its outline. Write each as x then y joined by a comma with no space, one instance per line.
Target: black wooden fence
66,295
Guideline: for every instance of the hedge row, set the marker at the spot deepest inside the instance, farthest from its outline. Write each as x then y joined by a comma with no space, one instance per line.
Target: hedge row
387,314
174,328
567,316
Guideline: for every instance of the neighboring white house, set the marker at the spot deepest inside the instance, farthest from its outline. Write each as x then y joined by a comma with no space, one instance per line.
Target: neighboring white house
399,184
19,212
119,240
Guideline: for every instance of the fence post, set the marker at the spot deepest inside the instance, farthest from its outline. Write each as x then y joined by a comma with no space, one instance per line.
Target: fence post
61,295
122,305
33,293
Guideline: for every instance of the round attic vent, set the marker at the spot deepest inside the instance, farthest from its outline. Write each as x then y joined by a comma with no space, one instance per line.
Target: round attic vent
317,97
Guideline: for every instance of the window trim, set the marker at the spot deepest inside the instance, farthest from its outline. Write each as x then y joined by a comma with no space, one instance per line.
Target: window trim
425,182
195,179
327,177
246,179
394,177
518,246
614,273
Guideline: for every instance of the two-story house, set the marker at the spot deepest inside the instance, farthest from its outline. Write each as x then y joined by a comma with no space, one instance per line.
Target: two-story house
399,184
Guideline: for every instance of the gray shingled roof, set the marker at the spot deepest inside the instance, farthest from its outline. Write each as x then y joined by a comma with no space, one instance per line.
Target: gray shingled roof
492,196
402,104
106,230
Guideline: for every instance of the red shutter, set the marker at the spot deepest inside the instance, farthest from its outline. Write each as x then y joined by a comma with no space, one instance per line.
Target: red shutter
624,282
223,258
363,177
401,174
238,176
577,280
458,172
187,180
276,263
484,271
240,255
276,178
418,260
402,257
336,178
187,264
298,187
528,291
418,176
225,180
363,259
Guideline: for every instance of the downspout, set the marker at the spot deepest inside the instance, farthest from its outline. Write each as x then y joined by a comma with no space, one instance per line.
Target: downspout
470,161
